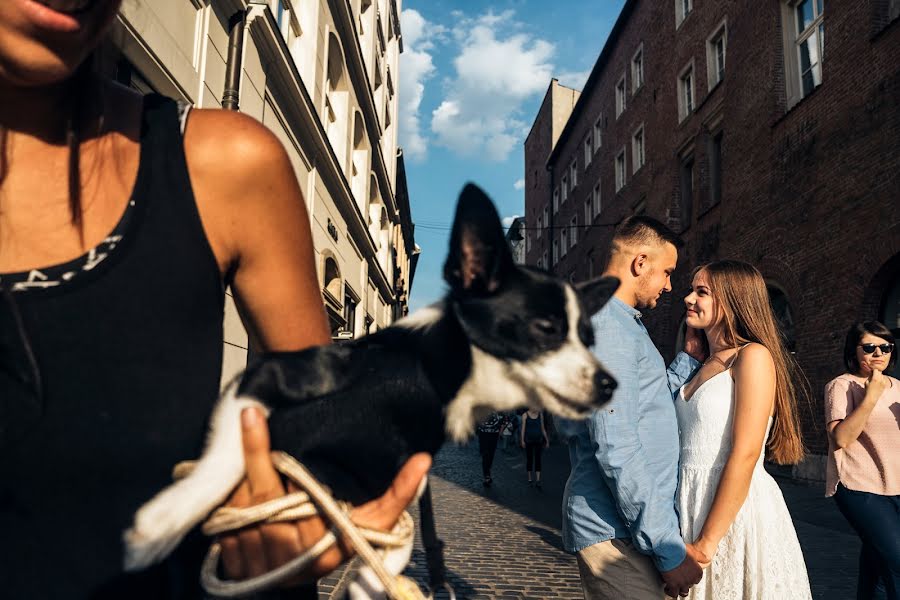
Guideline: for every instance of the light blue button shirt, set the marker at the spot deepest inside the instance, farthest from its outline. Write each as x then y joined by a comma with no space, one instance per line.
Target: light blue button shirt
625,455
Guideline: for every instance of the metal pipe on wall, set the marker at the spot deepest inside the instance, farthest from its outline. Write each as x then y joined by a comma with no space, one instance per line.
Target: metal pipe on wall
232,92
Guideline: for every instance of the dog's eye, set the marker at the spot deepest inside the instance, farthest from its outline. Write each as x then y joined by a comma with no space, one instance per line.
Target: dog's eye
544,326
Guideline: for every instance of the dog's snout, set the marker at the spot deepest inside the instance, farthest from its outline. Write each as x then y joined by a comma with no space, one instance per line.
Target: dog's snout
604,386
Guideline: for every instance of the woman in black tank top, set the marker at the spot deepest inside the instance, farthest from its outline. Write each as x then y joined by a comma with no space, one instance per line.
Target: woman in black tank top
119,231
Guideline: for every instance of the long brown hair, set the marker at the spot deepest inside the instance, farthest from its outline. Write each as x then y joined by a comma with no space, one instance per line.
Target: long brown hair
743,303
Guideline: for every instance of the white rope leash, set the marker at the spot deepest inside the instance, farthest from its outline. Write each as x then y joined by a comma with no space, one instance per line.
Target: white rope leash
299,505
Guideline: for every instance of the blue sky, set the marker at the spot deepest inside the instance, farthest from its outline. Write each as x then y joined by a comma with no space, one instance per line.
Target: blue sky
472,77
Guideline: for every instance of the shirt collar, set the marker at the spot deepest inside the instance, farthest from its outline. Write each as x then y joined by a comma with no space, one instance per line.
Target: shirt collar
629,310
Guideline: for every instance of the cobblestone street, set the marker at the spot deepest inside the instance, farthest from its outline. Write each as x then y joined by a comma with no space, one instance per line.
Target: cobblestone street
504,541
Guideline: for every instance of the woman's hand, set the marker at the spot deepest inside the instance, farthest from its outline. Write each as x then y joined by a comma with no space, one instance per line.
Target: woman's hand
877,383
256,550
546,442
522,442
703,552
695,344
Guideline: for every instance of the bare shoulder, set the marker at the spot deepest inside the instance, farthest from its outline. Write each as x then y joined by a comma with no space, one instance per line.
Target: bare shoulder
754,359
231,145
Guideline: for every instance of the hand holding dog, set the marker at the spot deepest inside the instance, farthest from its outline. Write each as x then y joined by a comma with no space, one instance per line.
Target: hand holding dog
257,550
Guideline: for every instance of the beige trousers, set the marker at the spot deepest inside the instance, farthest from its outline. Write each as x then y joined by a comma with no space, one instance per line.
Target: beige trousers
616,570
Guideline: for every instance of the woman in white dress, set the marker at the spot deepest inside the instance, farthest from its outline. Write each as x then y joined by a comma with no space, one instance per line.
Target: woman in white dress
740,403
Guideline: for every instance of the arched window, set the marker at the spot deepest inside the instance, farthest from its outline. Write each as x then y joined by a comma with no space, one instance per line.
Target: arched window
332,293
784,315
337,101
360,162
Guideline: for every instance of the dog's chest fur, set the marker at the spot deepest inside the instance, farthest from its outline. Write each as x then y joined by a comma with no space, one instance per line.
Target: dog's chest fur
353,413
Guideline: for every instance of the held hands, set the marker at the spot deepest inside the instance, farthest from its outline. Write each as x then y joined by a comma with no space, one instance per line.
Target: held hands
695,344
702,551
257,550
680,580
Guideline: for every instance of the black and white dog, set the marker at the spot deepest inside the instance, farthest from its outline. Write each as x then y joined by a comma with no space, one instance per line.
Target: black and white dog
505,336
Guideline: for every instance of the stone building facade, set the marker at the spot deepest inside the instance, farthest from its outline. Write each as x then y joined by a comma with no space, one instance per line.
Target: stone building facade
766,132
323,76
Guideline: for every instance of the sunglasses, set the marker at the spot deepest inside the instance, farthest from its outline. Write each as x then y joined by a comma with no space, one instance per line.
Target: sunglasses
870,348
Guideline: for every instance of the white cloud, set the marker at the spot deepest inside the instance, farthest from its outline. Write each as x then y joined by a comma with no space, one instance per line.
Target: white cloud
519,184
574,79
416,67
507,221
497,69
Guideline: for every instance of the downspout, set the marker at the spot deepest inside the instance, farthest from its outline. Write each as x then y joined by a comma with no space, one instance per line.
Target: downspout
233,66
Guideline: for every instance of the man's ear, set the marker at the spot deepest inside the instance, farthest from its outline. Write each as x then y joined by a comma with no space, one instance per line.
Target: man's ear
640,263
596,292
479,258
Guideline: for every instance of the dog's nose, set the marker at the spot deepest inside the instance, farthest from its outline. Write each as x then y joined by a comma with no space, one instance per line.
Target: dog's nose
604,385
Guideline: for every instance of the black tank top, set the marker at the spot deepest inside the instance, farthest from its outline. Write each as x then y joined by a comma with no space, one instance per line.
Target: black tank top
130,356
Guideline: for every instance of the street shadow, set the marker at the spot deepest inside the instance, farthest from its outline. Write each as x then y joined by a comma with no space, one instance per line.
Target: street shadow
418,571
548,536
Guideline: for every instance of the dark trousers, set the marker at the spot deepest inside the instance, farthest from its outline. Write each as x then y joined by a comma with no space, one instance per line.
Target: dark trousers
487,446
876,520
533,455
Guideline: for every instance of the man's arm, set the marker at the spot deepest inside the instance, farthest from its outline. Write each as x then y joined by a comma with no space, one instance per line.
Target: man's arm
681,370
649,515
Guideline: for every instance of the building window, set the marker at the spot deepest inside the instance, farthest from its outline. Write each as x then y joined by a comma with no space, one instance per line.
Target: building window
555,201
555,252
894,10
598,133
595,198
682,9
527,242
573,231
588,150
540,225
637,70
809,43
637,149
564,240
546,217
620,170
350,302
686,189
573,172
715,169
620,96
564,189
686,92
588,210
715,55
544,263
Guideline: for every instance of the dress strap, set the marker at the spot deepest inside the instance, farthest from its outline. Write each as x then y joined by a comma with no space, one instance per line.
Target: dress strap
734,358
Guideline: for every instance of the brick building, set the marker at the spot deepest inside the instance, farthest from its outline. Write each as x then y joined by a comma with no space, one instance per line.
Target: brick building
762,131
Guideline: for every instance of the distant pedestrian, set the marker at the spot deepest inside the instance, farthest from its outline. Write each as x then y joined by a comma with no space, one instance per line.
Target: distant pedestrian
863,474
488,435
533,438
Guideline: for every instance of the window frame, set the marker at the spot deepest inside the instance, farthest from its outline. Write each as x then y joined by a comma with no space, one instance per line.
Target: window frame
573,173
588,149
621,96
597,201
621,174
686,106
555,201
793,40
683,9
715,73
598,133
635,163
540,226
637,59
573,230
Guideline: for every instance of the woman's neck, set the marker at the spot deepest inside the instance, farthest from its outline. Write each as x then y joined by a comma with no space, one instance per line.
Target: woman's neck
716,338
40,112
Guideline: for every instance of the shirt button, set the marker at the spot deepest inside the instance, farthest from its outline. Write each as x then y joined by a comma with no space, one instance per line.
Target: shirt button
612,410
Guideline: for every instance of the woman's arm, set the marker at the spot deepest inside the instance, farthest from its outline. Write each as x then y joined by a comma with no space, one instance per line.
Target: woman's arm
522,429
256,222
846,431
544,432
754,381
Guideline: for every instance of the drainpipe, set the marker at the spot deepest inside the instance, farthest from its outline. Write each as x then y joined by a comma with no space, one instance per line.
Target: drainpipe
233,67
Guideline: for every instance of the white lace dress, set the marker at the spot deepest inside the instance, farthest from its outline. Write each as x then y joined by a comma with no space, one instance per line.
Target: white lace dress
759,558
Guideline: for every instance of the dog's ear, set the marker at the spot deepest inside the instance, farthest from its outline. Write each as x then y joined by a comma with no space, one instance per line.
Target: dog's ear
479,257
597,292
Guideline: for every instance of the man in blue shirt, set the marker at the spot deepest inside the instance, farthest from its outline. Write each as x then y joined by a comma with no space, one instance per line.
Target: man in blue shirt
619,505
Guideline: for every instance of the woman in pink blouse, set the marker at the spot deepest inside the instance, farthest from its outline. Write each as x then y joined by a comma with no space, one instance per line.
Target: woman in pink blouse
862,412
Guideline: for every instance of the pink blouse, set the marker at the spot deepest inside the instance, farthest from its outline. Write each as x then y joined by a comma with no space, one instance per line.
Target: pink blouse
871,463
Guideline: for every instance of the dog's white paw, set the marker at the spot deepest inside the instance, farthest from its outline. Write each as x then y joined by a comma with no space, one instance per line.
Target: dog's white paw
156,532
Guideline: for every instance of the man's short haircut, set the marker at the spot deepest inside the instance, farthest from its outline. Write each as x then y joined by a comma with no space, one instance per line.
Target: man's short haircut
643,230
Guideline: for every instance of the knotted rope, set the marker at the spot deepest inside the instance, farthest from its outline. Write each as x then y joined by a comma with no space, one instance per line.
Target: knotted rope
316,499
